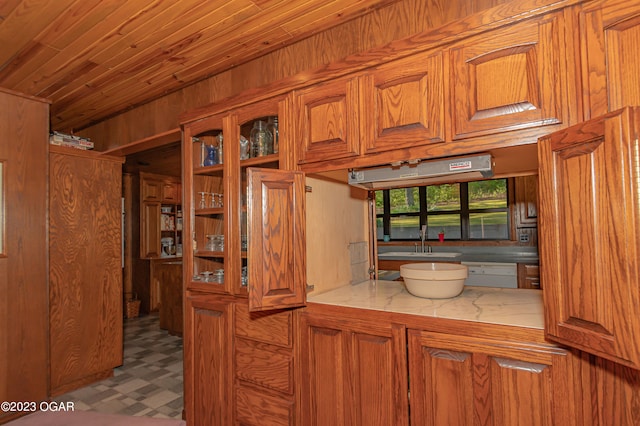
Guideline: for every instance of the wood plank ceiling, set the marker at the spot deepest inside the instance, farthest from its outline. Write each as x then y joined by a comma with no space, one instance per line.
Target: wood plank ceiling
96,58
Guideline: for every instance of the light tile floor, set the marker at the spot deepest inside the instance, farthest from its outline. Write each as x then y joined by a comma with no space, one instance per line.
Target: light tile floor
149,383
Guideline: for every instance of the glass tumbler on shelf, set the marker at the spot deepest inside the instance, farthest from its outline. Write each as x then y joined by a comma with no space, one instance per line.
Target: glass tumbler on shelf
244,148
220,139
261,139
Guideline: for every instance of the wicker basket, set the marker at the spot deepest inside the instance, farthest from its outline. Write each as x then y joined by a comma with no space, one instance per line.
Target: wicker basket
133,307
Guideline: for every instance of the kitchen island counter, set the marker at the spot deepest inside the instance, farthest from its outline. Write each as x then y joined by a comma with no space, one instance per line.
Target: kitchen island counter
500,306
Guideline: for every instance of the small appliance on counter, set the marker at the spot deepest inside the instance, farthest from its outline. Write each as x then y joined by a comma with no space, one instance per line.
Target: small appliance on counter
167,248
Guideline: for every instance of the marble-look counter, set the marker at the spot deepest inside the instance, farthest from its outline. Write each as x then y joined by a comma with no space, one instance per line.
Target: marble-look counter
514,307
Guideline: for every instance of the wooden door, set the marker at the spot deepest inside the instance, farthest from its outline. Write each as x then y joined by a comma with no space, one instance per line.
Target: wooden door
24,296
85,269
509,79
609,34
589,246
459,380
208,356
328,126
354,370
276,239
403,103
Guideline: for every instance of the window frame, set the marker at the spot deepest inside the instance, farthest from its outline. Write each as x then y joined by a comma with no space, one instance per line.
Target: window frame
464,212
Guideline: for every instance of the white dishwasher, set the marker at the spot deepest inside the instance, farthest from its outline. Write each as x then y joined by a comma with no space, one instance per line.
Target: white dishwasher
490,274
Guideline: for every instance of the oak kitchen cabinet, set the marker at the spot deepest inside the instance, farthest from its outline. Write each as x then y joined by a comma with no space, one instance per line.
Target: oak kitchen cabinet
85,270
535,65
495,381
329,120
359,367
589,224
158,193
402,103
24,290
207,353
260,218
608,36
168,273
353,370
509,79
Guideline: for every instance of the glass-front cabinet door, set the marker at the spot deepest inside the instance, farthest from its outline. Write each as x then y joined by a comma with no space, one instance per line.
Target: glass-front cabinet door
205,205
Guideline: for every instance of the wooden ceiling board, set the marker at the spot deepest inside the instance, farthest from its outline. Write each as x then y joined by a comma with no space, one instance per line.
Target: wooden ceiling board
96,58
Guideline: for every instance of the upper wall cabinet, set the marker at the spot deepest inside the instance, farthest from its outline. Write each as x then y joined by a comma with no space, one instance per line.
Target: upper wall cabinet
403,103
510,78
609,34
589,225
328,121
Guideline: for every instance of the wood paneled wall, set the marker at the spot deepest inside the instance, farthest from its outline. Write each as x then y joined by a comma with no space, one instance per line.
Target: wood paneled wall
396,21
24,296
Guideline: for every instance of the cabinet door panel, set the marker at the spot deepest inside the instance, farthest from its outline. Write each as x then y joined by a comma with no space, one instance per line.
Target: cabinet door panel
610,35
328,126
403,103
437,374
207,348
495,382
276,239
151,190
508,80
170,192
150,235
588,226
512,379
367,383
324,394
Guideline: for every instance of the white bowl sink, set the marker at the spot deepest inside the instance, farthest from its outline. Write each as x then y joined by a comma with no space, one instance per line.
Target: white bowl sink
418,254
434,280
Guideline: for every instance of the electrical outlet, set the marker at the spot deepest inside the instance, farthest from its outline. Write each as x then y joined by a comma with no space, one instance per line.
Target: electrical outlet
524,238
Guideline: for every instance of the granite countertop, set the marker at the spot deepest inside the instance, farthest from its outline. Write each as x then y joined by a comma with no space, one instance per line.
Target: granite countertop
514,307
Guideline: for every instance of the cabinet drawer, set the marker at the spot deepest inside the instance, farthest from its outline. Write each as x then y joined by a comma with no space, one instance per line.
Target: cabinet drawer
274,327
257,408
264,365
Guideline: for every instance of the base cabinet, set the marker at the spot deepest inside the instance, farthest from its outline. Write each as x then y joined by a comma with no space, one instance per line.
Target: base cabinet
169,276
242,363
465,381
207,354
353,371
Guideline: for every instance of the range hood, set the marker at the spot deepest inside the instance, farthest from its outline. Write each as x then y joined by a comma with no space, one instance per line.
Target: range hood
414,173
